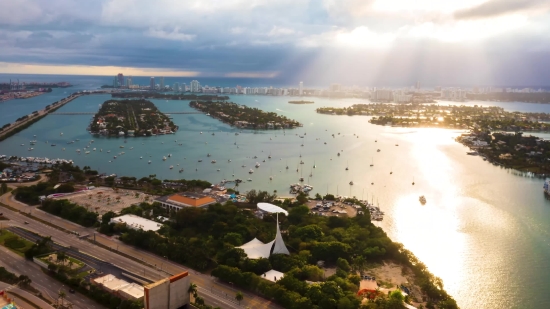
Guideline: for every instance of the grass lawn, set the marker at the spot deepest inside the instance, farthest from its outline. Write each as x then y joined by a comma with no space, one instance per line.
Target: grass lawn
15,243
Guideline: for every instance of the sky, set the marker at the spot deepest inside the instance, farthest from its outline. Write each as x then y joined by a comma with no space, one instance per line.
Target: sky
354,42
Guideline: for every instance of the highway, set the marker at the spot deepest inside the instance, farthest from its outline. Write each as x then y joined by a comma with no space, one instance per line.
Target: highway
150,266
48,286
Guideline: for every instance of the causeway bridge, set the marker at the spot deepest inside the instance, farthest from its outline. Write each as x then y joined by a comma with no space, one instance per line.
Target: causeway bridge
92,113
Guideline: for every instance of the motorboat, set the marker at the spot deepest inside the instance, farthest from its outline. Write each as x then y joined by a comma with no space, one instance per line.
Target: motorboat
213,161
149,162
351,183
171,166
251,171
163,158
257,165
422,199
200,160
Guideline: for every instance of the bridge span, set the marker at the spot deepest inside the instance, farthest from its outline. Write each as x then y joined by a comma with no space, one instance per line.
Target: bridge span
92,113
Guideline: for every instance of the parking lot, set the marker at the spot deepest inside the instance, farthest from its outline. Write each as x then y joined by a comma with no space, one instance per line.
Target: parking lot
332,208
103,199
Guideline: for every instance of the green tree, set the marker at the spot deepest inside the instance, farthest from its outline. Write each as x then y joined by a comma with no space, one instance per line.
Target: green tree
24,280
239,296
192,290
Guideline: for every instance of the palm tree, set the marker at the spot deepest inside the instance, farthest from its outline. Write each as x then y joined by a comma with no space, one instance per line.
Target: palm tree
192,290
239,296
61,296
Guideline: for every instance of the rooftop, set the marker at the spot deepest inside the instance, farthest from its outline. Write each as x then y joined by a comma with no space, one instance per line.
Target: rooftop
111,282
191,199
133,289
137,222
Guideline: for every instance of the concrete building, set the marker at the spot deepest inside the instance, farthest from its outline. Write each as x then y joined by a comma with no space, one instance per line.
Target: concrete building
152,83
176,87
120,287
137,223
161,83
179,200
169,293
129,82
301,88
195,86
120,79
385,95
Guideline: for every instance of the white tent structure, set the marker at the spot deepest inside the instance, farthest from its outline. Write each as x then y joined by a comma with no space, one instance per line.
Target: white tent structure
256,249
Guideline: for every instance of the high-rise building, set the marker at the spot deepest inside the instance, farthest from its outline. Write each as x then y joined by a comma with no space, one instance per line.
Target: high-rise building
183,87
417,85
161,83
195,86
335,87
176,87
152,83
120,78
115,82
129,81
301,89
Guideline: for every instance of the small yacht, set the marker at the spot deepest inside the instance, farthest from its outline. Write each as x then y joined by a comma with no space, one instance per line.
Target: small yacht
108,151
213,161
218,169
171,166
181,170
249,179
251,171
422,200
163,158
208,155
149,162
338,154
378,150
121,146
140,158
301,179
114,157
169,155
92,149
228,160
257,164
351,183
87,152
200,160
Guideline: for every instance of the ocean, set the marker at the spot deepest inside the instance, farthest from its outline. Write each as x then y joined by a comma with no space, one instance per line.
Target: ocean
485,230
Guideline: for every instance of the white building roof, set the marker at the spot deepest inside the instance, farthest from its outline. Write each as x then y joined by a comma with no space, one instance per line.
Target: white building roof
137,222
133,289
273,275
111,282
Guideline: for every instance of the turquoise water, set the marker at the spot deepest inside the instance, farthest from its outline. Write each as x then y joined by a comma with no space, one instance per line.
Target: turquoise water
485,230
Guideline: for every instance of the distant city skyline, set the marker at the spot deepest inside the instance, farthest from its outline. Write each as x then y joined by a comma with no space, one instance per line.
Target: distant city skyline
486,42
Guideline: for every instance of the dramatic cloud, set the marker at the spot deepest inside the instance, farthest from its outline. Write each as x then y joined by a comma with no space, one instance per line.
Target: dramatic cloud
501,7
319,41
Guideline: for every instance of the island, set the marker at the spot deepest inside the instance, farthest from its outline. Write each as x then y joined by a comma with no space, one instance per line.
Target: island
136,117
524,97
301,102
165,96
244,117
